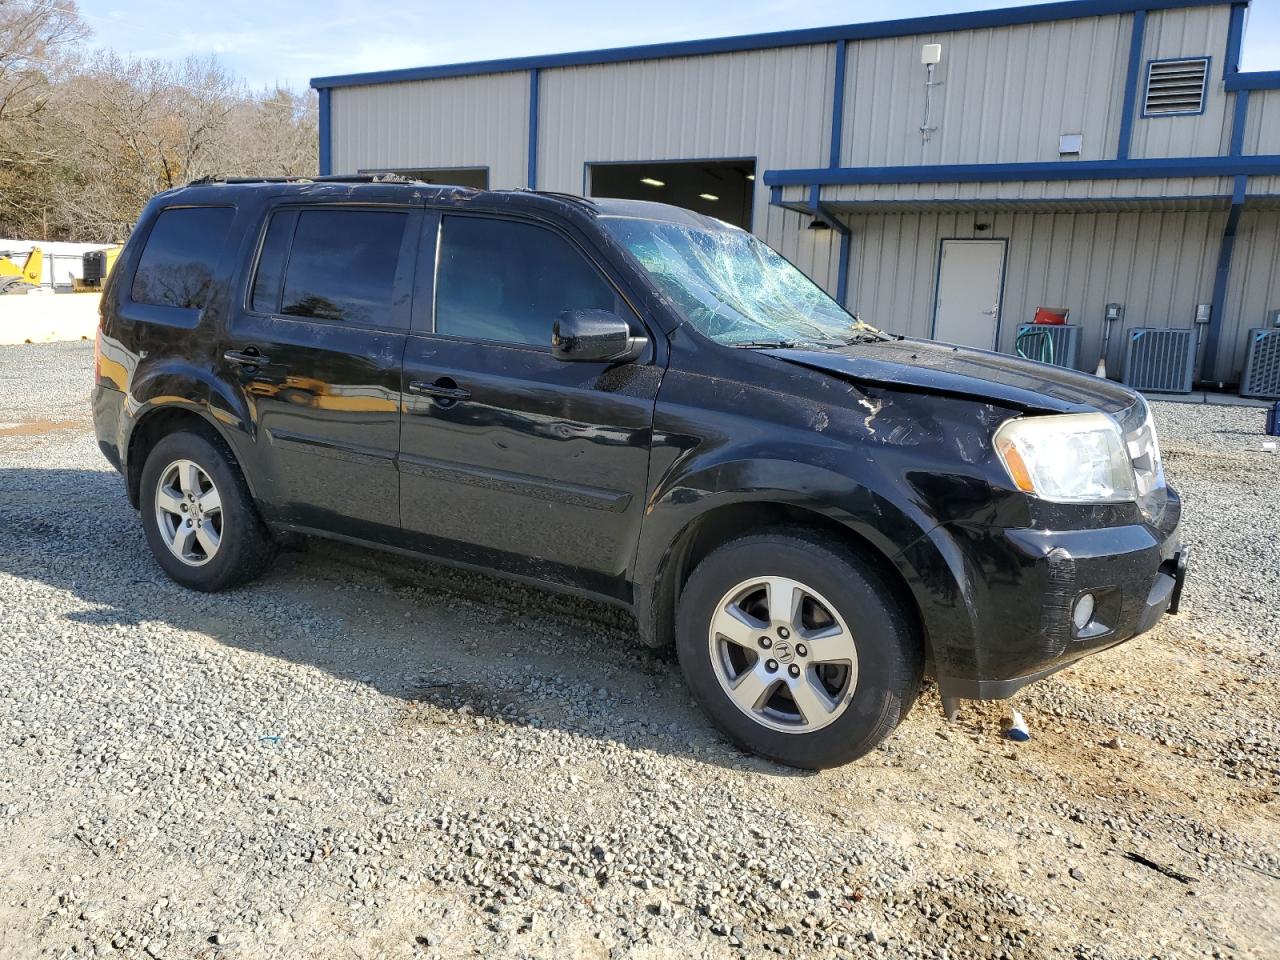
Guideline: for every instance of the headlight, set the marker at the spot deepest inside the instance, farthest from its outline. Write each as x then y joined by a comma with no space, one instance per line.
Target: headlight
1074,458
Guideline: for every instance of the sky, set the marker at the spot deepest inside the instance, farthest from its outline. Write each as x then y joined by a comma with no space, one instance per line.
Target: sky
285,42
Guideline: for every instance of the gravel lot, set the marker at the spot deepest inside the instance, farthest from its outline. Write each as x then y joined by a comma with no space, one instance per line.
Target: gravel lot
359,757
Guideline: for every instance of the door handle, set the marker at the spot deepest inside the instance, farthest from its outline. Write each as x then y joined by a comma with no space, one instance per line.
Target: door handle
249,357
441,391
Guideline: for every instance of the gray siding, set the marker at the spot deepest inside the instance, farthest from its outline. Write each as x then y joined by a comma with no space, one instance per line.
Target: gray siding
1006,94
461,122
1158,264
1195,32
1262,134
773,105
1254,292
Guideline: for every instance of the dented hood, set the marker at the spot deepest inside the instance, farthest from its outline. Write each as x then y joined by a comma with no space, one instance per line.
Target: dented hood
927,365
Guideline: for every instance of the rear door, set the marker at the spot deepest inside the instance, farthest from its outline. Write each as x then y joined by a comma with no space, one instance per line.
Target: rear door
316,346
509,457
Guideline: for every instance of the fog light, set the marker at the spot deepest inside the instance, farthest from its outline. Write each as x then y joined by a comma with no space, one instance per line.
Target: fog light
1082,614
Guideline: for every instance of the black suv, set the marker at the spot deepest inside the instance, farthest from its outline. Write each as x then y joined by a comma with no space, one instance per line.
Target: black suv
640,404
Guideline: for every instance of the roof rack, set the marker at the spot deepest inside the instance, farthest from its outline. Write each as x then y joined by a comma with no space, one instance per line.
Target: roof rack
330,178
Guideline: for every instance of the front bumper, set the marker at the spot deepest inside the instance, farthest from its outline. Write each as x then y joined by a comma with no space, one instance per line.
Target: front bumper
1022,589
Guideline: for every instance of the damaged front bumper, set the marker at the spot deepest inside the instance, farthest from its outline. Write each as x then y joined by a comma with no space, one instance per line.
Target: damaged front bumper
1041,600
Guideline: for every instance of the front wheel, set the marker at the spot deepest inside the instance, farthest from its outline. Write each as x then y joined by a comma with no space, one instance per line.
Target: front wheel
797,649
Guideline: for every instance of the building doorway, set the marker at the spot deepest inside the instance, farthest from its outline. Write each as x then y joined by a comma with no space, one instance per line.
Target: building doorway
719,188
970,284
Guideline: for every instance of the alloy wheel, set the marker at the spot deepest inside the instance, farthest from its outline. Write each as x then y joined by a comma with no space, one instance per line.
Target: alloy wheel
783,654
189,512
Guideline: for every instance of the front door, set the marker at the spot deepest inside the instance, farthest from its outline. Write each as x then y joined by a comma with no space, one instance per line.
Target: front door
511,458
317,348
970,278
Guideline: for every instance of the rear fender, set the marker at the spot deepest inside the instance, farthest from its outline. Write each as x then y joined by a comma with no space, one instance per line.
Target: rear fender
175,385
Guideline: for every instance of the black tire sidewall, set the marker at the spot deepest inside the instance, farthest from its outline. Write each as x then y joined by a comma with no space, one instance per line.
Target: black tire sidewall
888,670
240,523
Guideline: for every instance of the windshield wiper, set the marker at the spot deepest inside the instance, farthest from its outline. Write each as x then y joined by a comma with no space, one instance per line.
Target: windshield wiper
765,345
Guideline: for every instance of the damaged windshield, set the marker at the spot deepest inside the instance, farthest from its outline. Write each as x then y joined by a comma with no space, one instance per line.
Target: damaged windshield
735,289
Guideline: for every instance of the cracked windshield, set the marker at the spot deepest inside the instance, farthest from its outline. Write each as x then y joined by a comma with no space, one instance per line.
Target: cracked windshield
735,289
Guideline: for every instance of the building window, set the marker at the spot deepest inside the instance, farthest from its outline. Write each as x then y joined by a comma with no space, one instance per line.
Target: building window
719,188
1176,87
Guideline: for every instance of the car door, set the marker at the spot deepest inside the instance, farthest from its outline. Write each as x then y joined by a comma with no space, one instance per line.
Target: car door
316,346
511,458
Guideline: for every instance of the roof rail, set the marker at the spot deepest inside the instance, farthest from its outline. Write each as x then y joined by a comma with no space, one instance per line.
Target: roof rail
330,178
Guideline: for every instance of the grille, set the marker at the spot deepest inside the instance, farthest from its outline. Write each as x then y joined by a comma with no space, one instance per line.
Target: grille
1176,86
1262,366
1052,343
1161,361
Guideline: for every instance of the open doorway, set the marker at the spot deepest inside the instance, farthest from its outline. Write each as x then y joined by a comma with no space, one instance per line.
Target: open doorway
719,188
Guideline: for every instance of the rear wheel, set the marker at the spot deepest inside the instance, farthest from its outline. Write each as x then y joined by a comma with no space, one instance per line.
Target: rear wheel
796,648
198,516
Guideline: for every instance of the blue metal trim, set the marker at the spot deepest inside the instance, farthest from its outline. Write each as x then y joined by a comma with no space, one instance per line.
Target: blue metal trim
1131,84
1239,119
1204,88
1235,40
842,269
1254,80
1053,170
1222,279
944,23
837,102
325,135
533,129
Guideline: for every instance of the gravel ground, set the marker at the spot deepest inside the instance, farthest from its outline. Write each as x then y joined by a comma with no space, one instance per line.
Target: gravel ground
359,757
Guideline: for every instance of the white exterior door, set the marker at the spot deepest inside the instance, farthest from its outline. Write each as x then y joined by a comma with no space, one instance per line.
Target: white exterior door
970,275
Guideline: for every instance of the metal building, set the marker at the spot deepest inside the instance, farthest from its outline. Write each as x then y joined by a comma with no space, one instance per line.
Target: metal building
942,176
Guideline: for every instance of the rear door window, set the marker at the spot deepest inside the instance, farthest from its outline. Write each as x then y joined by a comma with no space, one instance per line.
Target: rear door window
507,281
177,263
341,266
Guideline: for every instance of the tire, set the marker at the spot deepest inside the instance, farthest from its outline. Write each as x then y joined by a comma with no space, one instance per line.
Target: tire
243,547
866,677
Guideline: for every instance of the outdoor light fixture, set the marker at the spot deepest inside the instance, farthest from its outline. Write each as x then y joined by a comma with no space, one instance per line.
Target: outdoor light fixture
751,176
708,196
652,182
816,224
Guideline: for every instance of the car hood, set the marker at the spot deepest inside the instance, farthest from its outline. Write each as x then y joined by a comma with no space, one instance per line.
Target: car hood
961,371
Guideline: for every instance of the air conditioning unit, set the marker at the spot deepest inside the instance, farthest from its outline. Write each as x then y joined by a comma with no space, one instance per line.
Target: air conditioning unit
1056,343
1160,360
1262,364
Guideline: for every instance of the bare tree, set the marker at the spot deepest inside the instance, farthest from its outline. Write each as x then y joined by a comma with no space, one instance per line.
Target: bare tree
34,36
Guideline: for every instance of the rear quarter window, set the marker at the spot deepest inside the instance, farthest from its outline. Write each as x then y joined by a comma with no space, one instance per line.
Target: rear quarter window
177,264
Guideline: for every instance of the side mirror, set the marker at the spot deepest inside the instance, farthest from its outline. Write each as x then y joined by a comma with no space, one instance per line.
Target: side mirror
598,335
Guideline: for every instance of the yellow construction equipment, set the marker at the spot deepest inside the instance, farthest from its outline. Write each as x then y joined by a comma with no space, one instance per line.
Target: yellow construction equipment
97,264
20,279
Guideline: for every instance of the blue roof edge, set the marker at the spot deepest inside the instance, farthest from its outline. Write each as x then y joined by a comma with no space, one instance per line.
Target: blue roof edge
942,23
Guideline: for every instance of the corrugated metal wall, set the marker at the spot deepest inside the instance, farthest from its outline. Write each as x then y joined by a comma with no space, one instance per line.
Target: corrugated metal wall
478,121
1005,94
1262,133
773,105
1158,264
1195,32
1254,292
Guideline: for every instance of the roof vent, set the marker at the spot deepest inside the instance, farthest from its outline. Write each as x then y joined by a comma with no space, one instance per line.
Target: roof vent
1176,86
